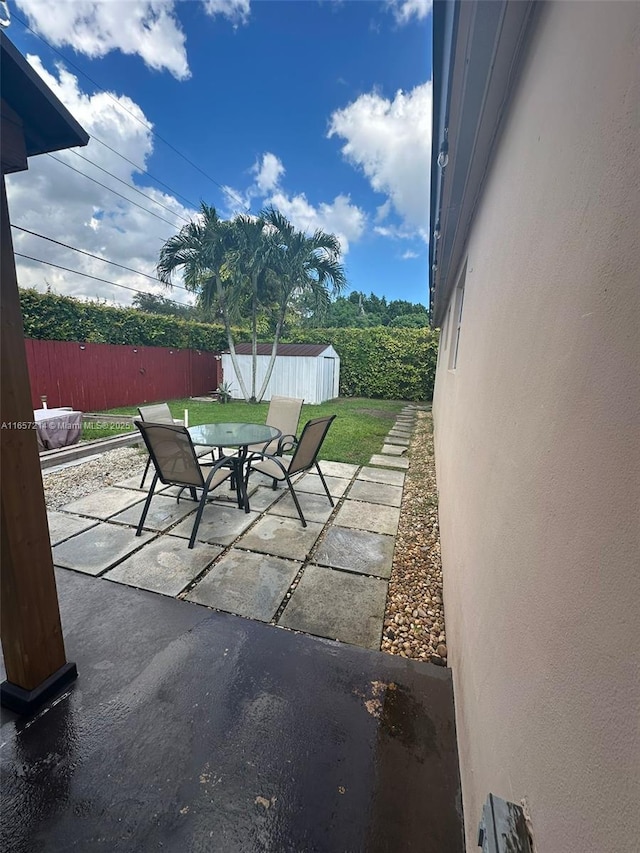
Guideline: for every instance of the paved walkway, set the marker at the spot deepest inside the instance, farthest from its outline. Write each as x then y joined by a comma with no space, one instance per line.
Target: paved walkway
329,579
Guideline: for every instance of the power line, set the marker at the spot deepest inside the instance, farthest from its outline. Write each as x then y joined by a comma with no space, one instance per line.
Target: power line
94,277
145,171
96,257
130,186
133,115
115,192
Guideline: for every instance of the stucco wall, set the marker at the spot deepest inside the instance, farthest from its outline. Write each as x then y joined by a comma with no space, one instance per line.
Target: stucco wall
537,447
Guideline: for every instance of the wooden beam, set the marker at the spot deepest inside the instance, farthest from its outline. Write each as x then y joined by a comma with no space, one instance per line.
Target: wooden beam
32,641
14,149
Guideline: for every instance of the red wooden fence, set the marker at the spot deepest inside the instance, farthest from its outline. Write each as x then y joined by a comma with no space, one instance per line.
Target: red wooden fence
94,377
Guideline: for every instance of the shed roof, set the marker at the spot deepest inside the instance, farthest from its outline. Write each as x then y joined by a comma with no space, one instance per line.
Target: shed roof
47,124
308,350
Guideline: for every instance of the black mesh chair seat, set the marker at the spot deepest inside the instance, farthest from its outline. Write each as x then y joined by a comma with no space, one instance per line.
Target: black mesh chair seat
305,457
174,458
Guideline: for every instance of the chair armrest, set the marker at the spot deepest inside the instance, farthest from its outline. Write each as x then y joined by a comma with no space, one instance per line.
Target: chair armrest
286,443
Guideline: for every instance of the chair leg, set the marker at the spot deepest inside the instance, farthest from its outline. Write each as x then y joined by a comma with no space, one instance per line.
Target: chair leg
146,471
324,485
196,523
147,503
295,500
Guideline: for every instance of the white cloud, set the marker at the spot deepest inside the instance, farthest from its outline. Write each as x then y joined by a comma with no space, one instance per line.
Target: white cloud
409,255
390,140
148,28
51,199
268,172
345,220
237,11
404,10
383,211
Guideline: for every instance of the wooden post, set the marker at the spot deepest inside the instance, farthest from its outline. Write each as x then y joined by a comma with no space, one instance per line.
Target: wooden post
32,641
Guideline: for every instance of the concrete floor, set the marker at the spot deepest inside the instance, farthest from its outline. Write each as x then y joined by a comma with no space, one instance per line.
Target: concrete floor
191,730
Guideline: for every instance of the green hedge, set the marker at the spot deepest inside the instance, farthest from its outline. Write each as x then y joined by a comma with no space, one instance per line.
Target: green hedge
48,316
381,362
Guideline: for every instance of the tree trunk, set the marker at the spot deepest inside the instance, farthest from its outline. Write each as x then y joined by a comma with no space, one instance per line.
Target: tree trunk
254,337
274,350
232,348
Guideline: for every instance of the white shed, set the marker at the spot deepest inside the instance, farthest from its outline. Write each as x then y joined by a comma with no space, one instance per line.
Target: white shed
310,371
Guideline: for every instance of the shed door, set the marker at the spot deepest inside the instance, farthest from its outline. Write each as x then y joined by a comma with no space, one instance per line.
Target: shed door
329,368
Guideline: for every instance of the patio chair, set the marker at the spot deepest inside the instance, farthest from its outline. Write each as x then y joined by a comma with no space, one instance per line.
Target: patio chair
159,413
305,457
174,457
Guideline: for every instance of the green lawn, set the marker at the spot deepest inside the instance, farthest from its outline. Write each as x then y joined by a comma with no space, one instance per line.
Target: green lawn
356,434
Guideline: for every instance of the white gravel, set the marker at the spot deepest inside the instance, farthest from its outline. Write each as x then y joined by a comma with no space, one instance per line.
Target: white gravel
66,485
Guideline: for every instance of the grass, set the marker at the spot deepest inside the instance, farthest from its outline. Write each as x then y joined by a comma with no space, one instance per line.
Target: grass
357,433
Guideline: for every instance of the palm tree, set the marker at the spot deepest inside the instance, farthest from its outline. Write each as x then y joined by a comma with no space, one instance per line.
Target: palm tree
251,262
201,249
302,265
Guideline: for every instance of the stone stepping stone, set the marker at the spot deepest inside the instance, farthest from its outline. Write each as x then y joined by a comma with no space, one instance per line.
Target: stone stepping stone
99,548
165,566
368,516
401,441
63,526
282,537
393,450
104,503
379,475
311,483
163,513
247,584
389,461
356,610
401,433
314,507
376,493
356,551
220,525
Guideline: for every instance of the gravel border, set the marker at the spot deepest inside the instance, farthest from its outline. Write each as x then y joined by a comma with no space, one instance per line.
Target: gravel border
68,484
414,616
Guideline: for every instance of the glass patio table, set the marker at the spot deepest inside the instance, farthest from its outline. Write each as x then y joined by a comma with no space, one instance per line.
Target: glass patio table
236,435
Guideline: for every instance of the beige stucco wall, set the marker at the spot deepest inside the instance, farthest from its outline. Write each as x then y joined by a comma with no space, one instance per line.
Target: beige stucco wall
537,446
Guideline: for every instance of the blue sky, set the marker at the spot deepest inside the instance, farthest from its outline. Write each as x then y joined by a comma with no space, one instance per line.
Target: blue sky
322,109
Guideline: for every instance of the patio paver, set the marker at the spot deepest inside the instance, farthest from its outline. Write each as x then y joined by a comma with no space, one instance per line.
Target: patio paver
219,525
134,483
247,584
357,551
98,548
367,516
314,507
376,493
380,475
63,526
311,483
357,606
263,497
282,537
166,565
104,503
389,461
338,469
163,512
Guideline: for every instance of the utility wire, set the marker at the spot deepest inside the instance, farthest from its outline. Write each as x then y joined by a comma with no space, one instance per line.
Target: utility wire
133,115
130,186
145,171
96,257
94,277
115,192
